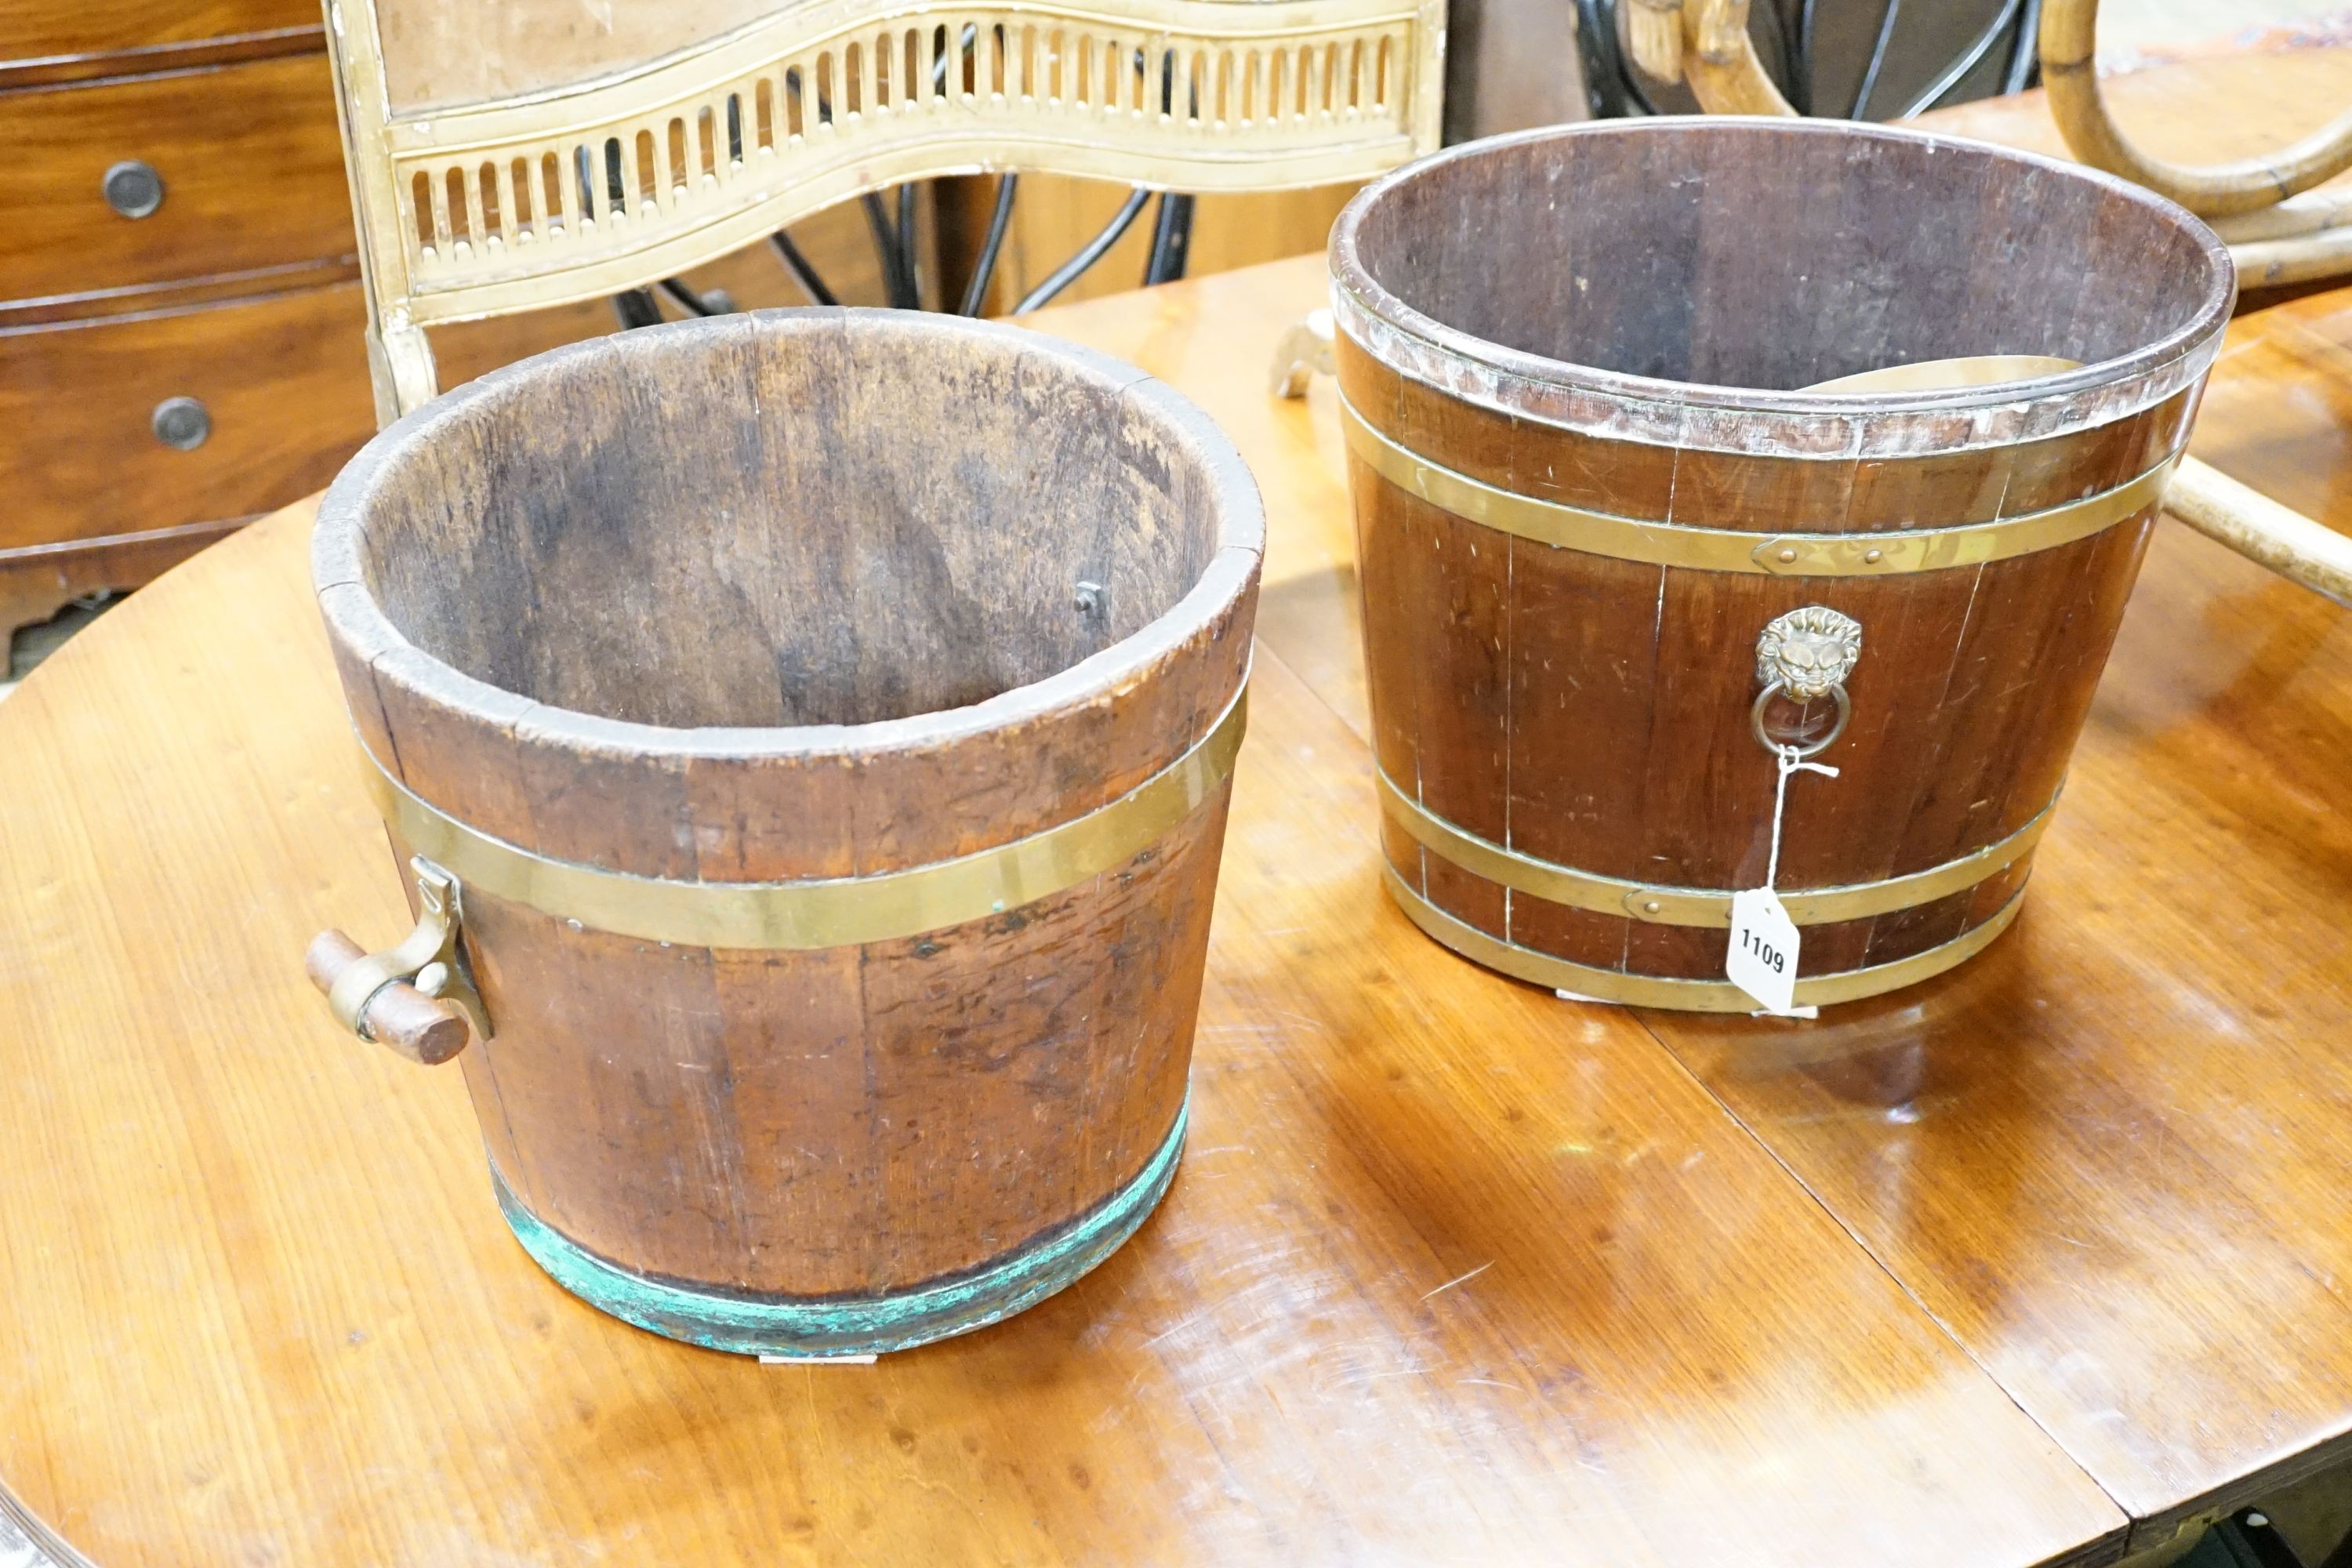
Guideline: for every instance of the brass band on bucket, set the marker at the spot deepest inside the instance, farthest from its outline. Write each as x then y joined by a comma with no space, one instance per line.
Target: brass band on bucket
1688,996
838,911
1727,550
1667,904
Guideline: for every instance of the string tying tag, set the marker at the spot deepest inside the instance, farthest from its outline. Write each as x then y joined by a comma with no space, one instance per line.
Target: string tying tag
1763,958
1790,760
1801,656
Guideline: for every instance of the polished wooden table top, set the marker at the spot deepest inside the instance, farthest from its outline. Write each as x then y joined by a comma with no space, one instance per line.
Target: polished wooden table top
2030,1264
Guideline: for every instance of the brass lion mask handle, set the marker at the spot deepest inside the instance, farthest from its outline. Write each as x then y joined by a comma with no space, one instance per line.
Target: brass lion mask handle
418,996
1807,653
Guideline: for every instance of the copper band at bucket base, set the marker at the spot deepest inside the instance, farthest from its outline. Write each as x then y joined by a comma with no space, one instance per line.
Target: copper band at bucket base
1688,996
840,911
799,1328
1667,904
1725,550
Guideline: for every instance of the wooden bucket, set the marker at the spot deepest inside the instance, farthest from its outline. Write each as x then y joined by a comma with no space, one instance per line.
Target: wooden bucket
1588,478
811,733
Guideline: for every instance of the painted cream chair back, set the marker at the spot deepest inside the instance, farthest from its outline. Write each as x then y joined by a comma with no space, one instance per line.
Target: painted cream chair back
524,153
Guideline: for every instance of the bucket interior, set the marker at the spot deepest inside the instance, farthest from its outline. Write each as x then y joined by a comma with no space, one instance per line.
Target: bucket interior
789,519
1771,257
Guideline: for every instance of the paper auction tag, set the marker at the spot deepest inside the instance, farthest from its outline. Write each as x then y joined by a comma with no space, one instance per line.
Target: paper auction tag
1763,958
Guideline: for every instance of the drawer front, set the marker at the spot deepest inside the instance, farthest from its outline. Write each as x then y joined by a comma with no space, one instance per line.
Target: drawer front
248,159
283,385
279,389
66,30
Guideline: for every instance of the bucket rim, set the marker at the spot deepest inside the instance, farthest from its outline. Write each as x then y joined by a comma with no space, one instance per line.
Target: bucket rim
358,618
1578,395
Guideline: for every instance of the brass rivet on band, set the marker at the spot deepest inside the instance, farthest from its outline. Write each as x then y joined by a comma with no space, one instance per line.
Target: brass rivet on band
1727,550
1691,995
1663,904
830,912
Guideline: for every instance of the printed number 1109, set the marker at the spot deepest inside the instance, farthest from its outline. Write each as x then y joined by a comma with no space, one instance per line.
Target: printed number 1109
1766,953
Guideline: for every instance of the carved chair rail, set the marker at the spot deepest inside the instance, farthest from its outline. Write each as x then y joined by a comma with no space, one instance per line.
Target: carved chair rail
578,191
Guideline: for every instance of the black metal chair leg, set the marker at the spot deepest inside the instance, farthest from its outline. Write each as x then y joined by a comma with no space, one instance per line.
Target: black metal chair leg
1172,239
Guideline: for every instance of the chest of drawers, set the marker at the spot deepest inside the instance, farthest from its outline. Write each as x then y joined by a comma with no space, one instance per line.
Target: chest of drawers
178,287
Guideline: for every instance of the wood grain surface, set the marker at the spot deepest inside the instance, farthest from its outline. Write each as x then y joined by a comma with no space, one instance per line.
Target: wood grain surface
251,165
1451,1269
2110,1154
2114,1163
2212,109
52,40
96,501
2208,109
38,581
276,377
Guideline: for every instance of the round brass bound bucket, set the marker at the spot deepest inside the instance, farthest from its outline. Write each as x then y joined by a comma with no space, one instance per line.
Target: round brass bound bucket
808,737
1621,551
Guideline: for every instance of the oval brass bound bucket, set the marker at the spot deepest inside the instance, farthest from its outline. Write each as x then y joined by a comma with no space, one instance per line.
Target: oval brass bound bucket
811,735
1607,538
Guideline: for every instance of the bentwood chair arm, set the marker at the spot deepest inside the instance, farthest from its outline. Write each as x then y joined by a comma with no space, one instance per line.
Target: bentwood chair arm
1706,44
2279,235
2279,230
2297,548
2069,72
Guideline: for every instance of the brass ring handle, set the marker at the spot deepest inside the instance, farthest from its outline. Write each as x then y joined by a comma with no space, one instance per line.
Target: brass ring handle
1764,737
1807,653
2069,71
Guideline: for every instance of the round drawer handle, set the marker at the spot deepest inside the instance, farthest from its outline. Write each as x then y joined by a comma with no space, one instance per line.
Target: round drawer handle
182,422
133,188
